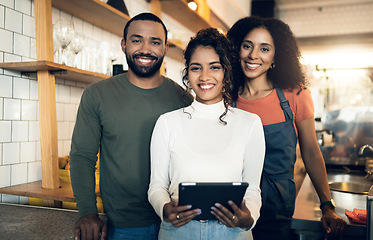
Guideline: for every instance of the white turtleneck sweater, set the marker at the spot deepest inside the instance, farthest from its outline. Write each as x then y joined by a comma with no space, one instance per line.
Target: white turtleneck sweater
196,147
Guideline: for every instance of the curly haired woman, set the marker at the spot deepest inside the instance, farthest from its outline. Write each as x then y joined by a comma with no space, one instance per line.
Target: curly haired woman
268,81
208,141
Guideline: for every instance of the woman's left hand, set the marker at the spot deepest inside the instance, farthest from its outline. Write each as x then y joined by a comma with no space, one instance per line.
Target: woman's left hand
241,217
332,223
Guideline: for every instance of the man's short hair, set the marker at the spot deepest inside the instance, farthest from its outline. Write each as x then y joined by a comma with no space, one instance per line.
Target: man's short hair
144,17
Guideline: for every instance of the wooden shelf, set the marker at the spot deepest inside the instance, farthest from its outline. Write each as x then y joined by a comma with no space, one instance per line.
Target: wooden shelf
179,10
108,18
96,12
34,189
59,70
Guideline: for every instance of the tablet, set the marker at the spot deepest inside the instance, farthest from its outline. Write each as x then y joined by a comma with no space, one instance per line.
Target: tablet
205,195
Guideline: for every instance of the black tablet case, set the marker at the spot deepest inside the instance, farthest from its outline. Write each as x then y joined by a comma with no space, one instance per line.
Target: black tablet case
205,195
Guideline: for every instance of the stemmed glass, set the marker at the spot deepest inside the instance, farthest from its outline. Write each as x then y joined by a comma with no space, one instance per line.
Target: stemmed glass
76,46
56,47
64,32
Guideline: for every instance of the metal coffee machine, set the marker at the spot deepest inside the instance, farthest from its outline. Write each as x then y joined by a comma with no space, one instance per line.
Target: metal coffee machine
347,138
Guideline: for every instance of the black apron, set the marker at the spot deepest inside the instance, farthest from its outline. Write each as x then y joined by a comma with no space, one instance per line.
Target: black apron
277,184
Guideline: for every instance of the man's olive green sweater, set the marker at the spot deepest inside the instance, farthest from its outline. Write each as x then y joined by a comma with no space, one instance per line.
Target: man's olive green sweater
118,117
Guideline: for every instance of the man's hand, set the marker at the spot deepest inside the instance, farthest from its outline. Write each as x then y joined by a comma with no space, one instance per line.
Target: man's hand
90,227
332,223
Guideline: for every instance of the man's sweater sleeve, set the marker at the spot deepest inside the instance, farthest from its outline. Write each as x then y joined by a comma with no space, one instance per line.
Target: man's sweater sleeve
83,155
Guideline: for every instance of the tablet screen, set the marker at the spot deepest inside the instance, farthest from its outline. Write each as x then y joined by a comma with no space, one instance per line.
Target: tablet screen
205,195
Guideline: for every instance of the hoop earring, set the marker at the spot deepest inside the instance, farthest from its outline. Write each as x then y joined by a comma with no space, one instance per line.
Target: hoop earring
273,65
189,88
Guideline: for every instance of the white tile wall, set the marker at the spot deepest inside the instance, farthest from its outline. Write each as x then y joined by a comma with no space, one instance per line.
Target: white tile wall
6,86
29,26
5,129
6,40
32,9
5,176
76,94
21,45
38,153
34,131
11,153
70,111
21,88
12,58
2,10
29,110
63,130
60,111
13,20
33,90
34,172
62,93
1,155
18,174
19,131
12,109
33,48
28,152
64,147
7,3
1,108
23,6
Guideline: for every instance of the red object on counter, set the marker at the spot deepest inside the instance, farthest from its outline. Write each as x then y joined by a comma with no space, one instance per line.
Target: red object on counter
357,216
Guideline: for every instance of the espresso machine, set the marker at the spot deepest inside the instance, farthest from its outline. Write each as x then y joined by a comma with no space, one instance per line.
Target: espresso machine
347,136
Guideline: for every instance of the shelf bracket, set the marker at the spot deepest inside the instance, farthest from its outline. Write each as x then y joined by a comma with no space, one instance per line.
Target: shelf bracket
54,72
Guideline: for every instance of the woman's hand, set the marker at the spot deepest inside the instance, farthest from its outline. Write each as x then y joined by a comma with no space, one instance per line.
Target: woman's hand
178,215
332,223
240,218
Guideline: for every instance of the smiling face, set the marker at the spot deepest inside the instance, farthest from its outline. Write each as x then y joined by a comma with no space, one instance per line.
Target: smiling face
145,47
257,53
206,75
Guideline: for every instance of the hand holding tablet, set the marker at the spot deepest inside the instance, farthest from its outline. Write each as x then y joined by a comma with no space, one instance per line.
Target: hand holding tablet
205,195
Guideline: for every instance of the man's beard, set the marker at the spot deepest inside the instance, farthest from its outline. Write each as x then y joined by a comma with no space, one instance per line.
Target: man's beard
144,71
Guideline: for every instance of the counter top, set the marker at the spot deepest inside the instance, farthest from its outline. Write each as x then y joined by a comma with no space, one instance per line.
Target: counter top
36,223
308,214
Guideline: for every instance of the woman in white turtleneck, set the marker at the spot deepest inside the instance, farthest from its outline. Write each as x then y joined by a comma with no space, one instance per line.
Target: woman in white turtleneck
207,141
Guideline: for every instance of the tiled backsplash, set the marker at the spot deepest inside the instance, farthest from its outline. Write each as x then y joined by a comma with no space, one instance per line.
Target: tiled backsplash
20,160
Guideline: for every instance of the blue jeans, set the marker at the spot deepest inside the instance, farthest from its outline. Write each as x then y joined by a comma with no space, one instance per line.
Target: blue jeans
140,233
196,230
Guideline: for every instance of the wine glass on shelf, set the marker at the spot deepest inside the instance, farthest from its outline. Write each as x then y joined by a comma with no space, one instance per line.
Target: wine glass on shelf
64,32
56,47
76,47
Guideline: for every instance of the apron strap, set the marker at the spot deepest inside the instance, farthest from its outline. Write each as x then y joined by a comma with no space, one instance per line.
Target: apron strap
284,105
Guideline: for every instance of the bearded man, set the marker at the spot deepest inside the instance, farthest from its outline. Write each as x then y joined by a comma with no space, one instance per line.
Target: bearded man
116,116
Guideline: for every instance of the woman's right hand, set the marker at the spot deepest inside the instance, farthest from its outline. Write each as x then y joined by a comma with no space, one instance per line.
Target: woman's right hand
178,215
